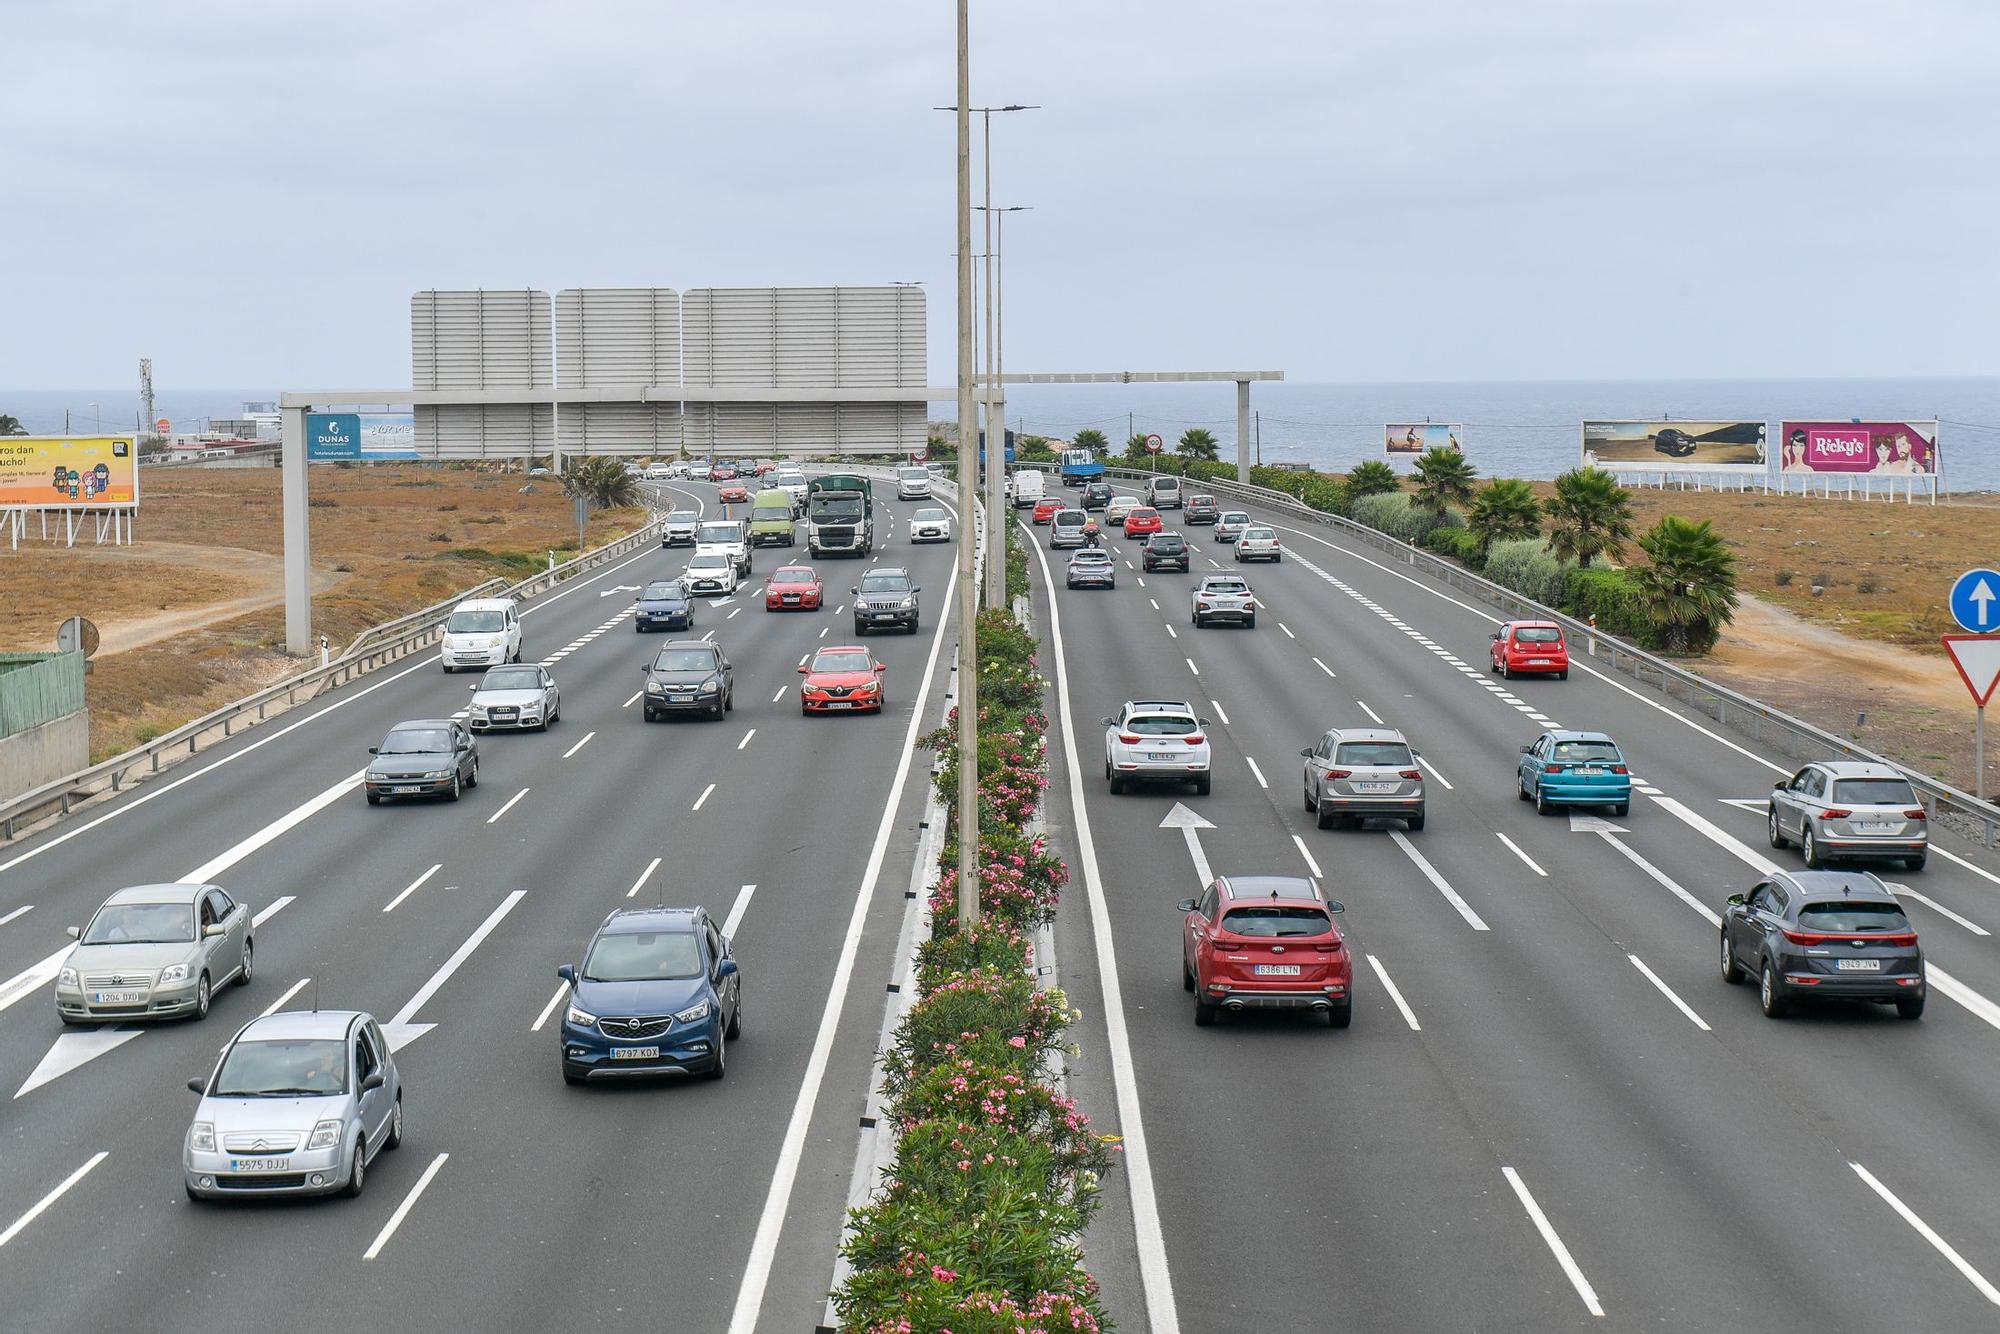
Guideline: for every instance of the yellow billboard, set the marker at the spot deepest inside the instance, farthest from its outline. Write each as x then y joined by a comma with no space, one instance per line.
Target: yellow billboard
68,472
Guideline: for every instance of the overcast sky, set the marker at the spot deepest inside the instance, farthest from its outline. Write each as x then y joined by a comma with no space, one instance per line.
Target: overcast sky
249,192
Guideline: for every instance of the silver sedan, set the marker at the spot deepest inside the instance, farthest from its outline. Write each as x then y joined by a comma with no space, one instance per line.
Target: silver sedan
523,695
154,952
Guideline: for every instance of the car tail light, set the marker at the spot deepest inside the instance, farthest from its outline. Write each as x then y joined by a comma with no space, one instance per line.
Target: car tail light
1620,769
1917,814
1340,773
1201,606
1412,774
1834,813
1125,740
1195,740
1552,768
1904,939
1333,948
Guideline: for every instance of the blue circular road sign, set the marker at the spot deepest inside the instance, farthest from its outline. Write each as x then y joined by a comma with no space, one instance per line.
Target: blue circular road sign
1975,601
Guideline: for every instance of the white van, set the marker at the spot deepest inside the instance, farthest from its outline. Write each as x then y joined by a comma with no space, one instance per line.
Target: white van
1028,485
913,482
1164,493
481,632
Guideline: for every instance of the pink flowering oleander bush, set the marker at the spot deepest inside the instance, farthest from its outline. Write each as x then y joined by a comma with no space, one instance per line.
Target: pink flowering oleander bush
1020,880
991,943
999,1018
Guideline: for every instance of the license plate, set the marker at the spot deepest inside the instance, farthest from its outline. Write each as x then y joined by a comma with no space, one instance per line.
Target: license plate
635,1053
1858,965
1374,787
260,1164
1277,970
840,704
1590,773
1538,662
789,598
1872,826
403,791
882,615
1159,755
116,997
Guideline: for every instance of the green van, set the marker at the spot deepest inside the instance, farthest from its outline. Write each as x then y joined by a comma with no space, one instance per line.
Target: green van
771,518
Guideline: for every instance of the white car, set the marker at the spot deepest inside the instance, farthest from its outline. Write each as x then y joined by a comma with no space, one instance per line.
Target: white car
523,696
658,472
678,528
1258,544
728,537
711,573
930,525
913,482
793,483
1223,597
482,632
1156,741
1028,486
1120,506
1229,525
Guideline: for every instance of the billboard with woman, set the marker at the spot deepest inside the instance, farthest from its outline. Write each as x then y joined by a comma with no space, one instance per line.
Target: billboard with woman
1870,449
1416,437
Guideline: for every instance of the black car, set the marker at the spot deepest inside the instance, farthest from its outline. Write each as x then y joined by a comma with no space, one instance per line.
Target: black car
885,599
689,676
429,757
1165,551
1823,935
664,606
1673,442
1096,495
1201,509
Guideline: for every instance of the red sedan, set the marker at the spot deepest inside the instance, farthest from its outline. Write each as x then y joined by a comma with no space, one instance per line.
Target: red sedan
1265,942
841,679
1530,647
733,495
794,588
722,472
1045,510
1143,522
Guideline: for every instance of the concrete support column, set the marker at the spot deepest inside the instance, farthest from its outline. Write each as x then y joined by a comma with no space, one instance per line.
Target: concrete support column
298,537
1243,431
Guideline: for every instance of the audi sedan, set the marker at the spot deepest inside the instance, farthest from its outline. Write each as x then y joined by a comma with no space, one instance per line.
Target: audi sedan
154,952
1358,772
663,605
794,588
842,679
658,993
1823,935
521,696
1265,942
1091,567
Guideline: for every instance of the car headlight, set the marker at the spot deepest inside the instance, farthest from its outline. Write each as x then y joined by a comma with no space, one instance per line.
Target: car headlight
710,686
693,1013
655,688
581,1018
325,1135
176,973
201,1137
438,775
66,978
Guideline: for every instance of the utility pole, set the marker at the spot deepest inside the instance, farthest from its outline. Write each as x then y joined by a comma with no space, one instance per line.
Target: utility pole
1260,439
146,418
968,491
996,426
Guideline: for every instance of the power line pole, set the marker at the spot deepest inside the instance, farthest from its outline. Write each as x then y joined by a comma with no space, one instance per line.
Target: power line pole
968,492
1260,439
996,428
146,417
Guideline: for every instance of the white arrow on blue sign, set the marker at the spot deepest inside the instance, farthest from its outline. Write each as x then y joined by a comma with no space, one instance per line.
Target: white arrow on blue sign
1973,599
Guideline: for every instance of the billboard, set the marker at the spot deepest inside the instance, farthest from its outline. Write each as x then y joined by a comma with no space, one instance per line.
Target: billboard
1674,446
360,437
68,472
1416,437
1869,449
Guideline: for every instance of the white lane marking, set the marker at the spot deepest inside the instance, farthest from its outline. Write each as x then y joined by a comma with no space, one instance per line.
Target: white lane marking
1938,908
1431,769
710,636
1981,1007
823,629
215,866
780,695
1311,865
1130,566
644,876
1668,992
1515,848
1395,994
1555,1243
736,910
399,1030
403,1209
579,745
279,1003
1142,583
803,657
26,907
1443,886
1924,1230
1155,1279
493,818
1942,852
32,978
704,796
72,1050
733,615
1216,704
1259,772
634,700
771,1220
20,1224
561,991
1708,829
1323,667
271,909
415,885
1662,878
1172,633
1288,632
1156,605
1191,667
1370,712
747,735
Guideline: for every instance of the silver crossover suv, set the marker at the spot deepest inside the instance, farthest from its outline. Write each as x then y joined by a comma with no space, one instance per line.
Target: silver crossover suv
299,1104
1358,772
154,952
1840,809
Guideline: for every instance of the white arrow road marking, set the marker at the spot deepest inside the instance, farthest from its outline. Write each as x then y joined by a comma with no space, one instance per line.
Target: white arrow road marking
618,588
1592,824
1443,886
1185,820
32,978
72,1050
1982,593
400,1031
15,1228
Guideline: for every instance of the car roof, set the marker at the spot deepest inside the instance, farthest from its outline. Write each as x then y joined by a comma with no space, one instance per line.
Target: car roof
631,921
426,724
1366,734
1296,888
1535,625
157,894
1090,553
1569,734
299,1024
840,648
887,569
484,604
795,569
1858,769
1839,884
1159,706
1207,579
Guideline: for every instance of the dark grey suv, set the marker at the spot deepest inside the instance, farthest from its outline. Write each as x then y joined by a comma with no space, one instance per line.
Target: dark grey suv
689,676
1165,551
1823,935
885,599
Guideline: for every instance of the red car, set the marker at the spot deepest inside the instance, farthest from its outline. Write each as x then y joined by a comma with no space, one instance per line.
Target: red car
1530,647
764,467
1265,942
1143,522
1045,510
840,679
733,495
722,472
794,588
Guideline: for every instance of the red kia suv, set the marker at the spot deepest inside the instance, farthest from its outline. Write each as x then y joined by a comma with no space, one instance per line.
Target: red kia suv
1265,942
1523,647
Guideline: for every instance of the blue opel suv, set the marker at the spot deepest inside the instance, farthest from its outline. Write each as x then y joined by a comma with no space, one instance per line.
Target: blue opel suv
657,993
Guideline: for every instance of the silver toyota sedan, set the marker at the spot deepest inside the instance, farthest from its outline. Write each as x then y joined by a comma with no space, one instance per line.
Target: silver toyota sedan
154,952
300,1104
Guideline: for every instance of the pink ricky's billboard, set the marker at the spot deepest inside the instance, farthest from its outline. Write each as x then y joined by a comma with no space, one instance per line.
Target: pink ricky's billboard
1874,449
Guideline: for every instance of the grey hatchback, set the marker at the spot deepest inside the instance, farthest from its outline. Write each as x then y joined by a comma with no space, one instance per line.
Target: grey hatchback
154,952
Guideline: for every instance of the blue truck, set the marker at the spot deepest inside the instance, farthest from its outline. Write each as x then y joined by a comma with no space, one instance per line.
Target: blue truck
1080,466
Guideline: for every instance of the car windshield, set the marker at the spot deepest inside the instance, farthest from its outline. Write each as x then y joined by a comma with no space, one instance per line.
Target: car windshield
1069,518
1584,750
1089,557
664,591
1258,534
914,474
1862,916
475,623
709,560
1376,754
415,741
793,574
1234,516
929,515
684,660
141,924
843,508
1873,792
1144,512
884,583
1201,500
841,661
642,956
1273,920
512,678
1538,634
719,532
1225,586
683,516
286,1068
1164,542
1161,724
772,512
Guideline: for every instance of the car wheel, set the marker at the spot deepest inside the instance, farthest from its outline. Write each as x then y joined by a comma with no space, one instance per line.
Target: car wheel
1810,849
1542,806
720,1066
1415,823
1492,667
1504,675
1187,973
1772,831
1621,808
373,800
472,777
1117,784
1341,1015
454,793
1910,1009
192,1195
859,629
1201,785
736,1019
1311,805
1324,818
1563,675
1204,1013
1250,621
357,1178
729,700
571,1079
243,971
447,668
1915,863
201,998
395,1140
1520,785
1768,993
1732,972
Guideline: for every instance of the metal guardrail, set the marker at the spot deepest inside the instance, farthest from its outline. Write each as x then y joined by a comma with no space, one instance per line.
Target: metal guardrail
373,648
1800,740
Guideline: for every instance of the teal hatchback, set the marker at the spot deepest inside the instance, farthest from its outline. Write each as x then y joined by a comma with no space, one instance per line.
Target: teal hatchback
1575,769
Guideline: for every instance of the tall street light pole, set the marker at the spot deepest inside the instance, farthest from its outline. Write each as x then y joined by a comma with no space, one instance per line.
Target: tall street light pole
968,475
996,401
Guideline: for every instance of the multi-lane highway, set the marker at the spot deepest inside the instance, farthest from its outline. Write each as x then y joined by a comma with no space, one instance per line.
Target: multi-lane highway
1549,1106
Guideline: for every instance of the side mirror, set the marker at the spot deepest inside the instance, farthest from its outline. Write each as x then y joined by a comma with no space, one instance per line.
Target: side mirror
566,973
916,588
1107,722
1781,786
1736,900
199,1084
374,750
725,970
1416,754
881,667
1185,905
74,932
213,929
373,1080
646,669
1496,636
474,687
803,669
1305,752
1526,749
1335,905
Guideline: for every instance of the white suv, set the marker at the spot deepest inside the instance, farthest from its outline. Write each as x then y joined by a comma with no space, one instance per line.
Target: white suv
1156,741
482,632
913,482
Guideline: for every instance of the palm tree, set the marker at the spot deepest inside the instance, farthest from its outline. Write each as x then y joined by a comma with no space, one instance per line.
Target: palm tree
1505,510
1197,443
1373,478
1092,439
602,482
11,425
1690,587
1135,448
1590,515
1443,479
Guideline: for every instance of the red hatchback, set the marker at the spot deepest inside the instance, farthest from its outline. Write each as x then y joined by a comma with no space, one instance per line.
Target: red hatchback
1045,510
733,495
1143,522
1265,942
722,472
794,588
1521,647
842,679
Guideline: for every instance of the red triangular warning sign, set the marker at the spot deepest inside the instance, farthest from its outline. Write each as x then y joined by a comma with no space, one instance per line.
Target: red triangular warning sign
1977,658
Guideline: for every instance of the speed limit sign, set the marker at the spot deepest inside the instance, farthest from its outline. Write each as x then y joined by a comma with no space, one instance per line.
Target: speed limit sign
1154,444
